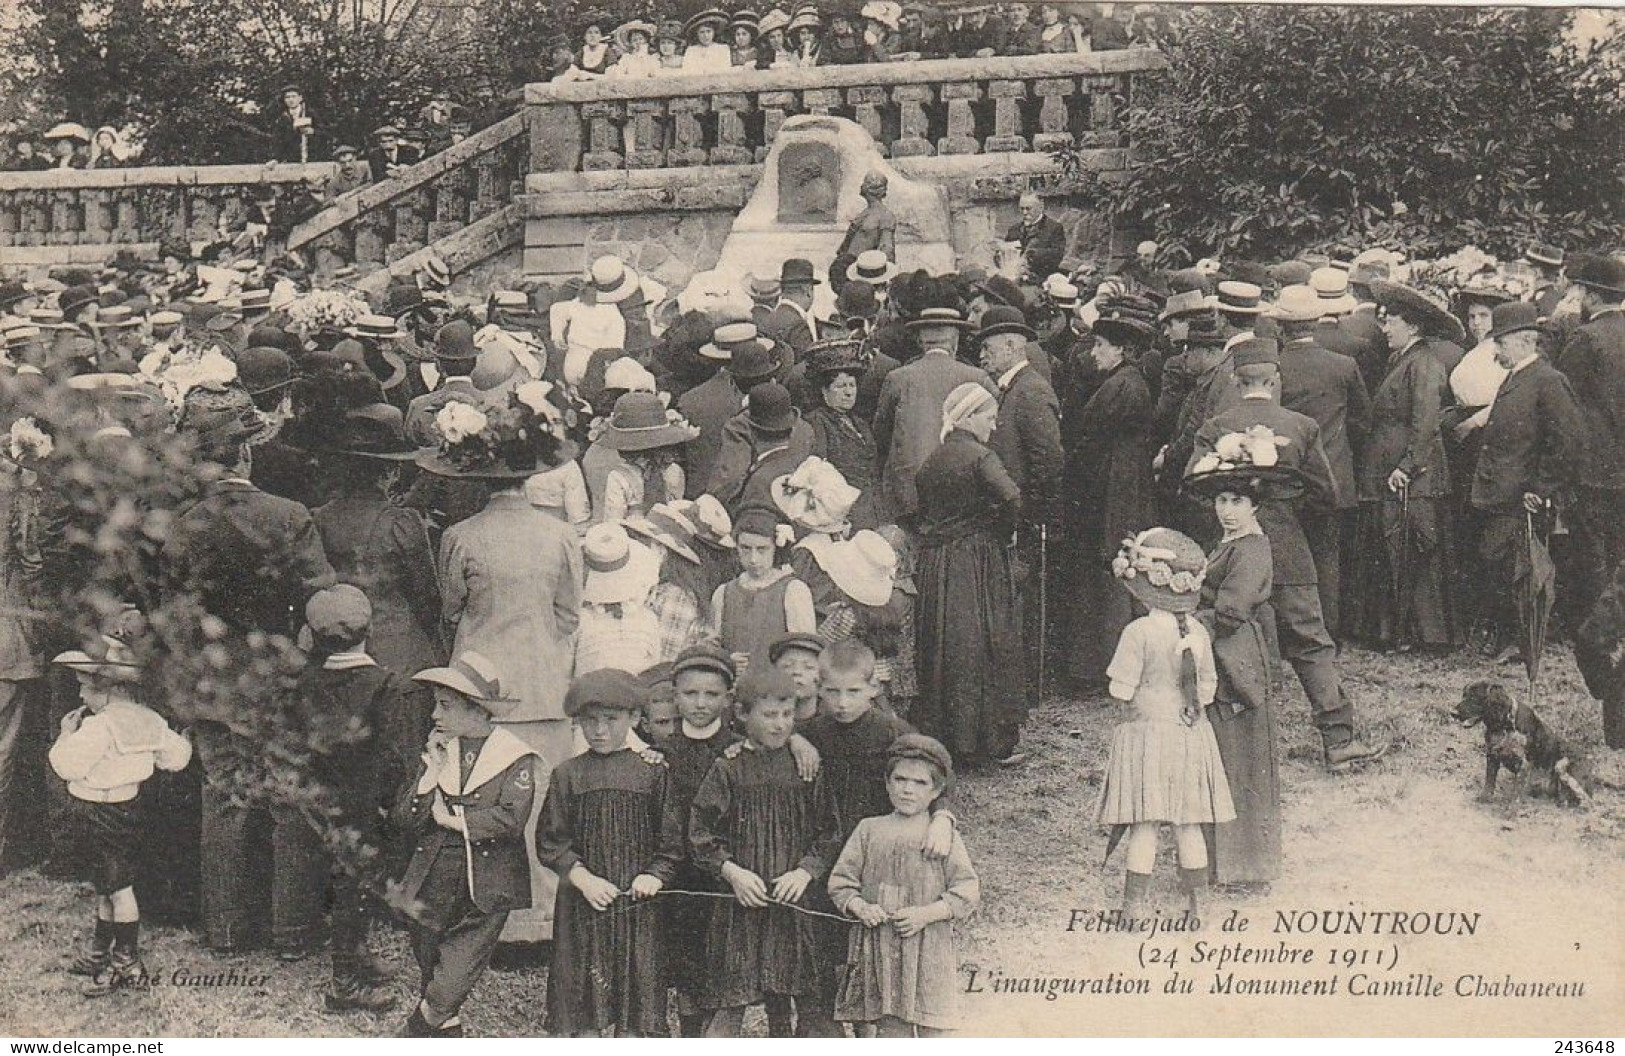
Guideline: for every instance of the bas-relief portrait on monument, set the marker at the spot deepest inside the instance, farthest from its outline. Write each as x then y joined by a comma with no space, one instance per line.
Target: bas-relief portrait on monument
869,520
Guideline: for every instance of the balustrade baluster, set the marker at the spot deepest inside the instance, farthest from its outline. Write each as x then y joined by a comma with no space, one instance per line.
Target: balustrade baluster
202,215
1053,117
373,236
733,144
10,218
689,148
822,101
98,227
961,137
64,228
451,197
914,127
411,227
490,188
1007,99
647,146
866,104
775,107
603,135
1102,112
126,216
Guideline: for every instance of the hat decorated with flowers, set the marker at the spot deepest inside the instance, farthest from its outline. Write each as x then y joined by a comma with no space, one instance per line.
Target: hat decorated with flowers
1247,462
816,496
511,440
1163,569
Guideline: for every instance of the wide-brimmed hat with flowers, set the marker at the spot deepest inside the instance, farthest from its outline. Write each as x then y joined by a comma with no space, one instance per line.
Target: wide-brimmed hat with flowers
816,497
511,440
642,421
1163,568
1245,462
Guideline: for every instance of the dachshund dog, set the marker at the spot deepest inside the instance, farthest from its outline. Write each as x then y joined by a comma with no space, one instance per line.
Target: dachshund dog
1515,734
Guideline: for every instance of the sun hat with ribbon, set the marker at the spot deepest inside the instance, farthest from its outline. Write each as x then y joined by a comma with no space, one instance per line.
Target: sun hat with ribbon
619,570
612,279
816,497
963,402
864,567
669,527
1419,309
474,676
872,266
111,654
642,421
1163,568
622,34
628,375
713,527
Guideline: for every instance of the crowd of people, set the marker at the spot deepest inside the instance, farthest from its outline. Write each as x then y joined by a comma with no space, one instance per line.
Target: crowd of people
660,628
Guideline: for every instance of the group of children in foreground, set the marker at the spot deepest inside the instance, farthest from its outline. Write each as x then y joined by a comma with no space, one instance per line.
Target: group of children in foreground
780,839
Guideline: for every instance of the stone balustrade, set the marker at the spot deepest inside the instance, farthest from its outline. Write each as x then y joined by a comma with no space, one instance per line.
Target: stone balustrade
424,203
80,214
1011,104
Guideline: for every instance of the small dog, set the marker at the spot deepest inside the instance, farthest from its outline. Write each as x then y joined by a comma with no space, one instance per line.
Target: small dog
1515,734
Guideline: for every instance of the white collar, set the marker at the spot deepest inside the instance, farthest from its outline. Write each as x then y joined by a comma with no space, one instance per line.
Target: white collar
937,352
702,733
236,480
500,751
1254,530
1525,363
1245,335
1009,375
348,661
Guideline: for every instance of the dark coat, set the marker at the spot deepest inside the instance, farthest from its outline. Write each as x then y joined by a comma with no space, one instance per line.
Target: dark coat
1278,515
253,558
496,804
1107,488
908,424
1534,440
1042,246
1027,440
1405,428
384,549
708,407
788,327
746,465
285,138
1359,337
1327,386
1594,362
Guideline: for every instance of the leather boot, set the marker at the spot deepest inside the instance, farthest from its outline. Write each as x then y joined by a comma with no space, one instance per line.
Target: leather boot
1194,883
95,959
1135,888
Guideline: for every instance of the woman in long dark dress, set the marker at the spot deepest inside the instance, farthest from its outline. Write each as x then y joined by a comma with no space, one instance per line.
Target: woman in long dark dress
1236,610
840,437
1403,539
1107,497
967,622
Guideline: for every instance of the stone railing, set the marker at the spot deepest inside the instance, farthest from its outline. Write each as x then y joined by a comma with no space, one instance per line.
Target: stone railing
419,205
74,213
1012,104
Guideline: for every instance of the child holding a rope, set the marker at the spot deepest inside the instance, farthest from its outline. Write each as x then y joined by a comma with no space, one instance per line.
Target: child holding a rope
1164,765
600,831
770,836
902,974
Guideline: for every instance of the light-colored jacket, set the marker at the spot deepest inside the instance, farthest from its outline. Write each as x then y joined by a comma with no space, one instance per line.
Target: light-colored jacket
114,750
510,582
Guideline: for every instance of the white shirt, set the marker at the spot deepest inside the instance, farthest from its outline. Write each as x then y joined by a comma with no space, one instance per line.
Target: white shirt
1477,377
707,57
581,329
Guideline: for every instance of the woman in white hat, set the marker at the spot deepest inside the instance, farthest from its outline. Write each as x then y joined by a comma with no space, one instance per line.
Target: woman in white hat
590,329
618,629
637,59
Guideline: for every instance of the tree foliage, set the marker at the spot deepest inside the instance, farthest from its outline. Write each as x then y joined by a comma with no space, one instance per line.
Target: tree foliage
1277,130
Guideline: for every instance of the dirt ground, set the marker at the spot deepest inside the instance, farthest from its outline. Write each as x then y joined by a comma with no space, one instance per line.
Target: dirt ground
1404,835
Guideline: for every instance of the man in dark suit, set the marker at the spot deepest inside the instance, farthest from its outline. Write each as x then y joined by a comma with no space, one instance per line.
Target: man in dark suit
293,134
1532,450
908,419
455,355
1042,240
1593,359
1328,387
1356,333
252,560
710,405
792,323
1300,625
1027,440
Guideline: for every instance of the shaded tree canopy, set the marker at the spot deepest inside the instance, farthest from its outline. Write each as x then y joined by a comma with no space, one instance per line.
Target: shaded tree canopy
1279,130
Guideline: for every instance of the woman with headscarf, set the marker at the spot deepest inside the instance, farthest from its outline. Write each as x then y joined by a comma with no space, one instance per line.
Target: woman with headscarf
967,620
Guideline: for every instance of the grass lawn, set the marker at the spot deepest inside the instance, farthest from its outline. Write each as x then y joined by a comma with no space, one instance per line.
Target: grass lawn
1405,834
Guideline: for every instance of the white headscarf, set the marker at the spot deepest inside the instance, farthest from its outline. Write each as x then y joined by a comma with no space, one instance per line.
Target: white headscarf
963,402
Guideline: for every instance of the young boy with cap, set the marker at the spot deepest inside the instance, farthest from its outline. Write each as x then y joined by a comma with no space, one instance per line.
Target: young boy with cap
360,722
796,654
104,751
466,812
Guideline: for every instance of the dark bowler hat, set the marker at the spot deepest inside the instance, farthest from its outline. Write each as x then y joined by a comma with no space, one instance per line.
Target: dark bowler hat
1004,319
770,410
797,272
264,369
1511,317
1601,273
455,341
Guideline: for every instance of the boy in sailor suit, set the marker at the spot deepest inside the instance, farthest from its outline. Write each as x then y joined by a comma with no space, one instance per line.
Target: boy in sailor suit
466,814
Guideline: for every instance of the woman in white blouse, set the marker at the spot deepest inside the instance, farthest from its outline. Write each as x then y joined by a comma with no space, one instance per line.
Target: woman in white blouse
705,53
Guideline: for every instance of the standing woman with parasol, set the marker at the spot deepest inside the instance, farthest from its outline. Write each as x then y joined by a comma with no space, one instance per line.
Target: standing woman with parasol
1402,596
510,579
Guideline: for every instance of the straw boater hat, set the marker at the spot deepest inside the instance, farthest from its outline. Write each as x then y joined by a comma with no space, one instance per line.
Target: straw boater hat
612,280
618,569
1331,285
731,339
715,17
816,496
641,421
1298,303
436,271
872,266
476,678
668,526
1239,298
1163,569
746,19
1432,319
864,567
623,33
376,328
1541,253
712,525
940,316
68,130
763,290
1244,462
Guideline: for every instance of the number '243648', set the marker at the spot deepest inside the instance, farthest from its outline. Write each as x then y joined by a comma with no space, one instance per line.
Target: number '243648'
1582,1048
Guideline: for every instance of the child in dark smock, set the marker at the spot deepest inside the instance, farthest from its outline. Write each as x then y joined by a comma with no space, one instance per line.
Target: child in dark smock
770,836
766,599
703,678
600,831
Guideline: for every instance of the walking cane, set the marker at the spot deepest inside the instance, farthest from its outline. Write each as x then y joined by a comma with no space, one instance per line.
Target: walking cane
1043,605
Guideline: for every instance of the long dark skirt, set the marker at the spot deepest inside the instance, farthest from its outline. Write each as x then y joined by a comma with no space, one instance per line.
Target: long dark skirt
1248,849
969,641
1402,585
